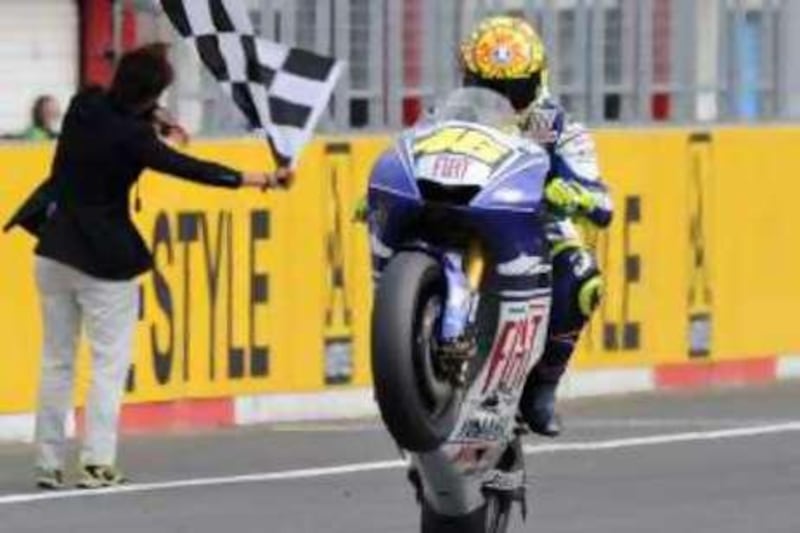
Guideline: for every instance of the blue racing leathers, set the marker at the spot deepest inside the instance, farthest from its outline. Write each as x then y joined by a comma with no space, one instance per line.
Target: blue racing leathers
577,198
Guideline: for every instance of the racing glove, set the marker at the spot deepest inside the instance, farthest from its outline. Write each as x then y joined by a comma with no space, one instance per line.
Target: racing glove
568,198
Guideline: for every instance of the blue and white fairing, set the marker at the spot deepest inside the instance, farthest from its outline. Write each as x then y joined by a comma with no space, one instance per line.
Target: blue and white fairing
461,178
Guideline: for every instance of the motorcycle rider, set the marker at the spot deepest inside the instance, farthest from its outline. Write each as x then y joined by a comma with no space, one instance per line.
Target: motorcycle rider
506,55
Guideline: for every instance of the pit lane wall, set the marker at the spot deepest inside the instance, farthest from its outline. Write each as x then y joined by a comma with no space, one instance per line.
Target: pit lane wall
258,308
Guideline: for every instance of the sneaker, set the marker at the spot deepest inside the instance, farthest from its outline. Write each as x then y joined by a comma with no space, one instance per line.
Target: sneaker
98,476
49,478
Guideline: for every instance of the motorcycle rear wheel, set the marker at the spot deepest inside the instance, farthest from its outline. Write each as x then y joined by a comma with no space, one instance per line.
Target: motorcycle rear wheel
417,401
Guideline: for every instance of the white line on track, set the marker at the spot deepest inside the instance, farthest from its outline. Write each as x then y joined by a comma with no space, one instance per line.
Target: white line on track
669,438
263,477
574,423
665,423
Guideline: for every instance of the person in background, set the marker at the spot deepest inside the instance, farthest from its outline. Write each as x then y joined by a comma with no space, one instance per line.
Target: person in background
45,117
89,252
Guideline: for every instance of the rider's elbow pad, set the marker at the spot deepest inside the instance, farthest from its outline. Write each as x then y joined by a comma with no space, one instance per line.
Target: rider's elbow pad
601,217
603,211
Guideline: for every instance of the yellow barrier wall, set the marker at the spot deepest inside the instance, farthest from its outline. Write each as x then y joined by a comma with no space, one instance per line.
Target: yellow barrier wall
259,293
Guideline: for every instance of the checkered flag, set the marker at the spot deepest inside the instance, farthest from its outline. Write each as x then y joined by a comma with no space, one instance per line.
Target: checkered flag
282,91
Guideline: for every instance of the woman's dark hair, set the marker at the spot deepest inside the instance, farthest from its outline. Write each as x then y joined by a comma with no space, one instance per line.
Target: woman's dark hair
37,111
141,76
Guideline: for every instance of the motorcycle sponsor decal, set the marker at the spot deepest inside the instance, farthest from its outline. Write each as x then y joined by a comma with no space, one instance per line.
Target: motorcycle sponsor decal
520,334
523,265
450,169
450,166
469,141
484,426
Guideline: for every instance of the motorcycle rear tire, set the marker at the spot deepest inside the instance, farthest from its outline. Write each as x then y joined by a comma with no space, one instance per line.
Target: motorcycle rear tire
407,285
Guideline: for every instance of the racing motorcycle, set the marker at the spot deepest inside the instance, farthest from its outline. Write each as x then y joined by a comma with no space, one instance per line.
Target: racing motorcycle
462,300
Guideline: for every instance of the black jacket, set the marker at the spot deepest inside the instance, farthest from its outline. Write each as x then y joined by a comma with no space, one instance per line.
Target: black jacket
81,213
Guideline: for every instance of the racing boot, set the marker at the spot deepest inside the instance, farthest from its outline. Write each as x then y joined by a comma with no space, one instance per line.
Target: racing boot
538,403
538,408
576,292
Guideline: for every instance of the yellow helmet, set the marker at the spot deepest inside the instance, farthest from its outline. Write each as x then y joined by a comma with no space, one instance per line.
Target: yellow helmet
505,54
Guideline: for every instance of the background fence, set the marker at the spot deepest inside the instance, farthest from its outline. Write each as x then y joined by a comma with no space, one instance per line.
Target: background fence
617,61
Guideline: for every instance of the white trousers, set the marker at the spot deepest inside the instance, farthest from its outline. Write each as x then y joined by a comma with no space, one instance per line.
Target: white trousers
108,312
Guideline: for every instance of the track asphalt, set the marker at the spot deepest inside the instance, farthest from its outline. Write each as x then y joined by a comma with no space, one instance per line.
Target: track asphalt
718,462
